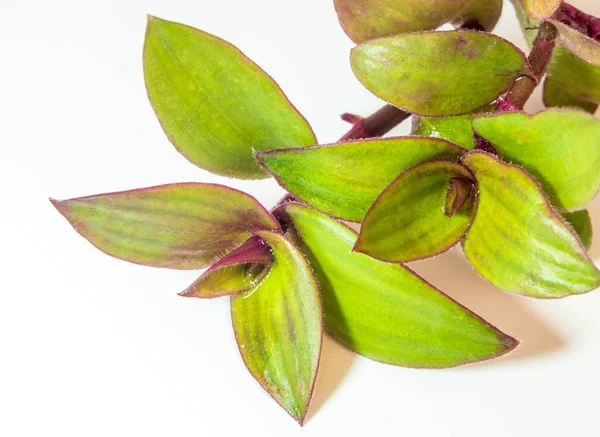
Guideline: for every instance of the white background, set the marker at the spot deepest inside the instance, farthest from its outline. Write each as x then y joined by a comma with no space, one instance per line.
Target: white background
93,346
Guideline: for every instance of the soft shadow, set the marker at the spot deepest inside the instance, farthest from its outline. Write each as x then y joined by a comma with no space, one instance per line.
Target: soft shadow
512,314
336,361
594,210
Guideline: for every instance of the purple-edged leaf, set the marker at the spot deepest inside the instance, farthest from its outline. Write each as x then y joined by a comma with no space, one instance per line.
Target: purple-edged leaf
410,219
575,64
555,96
581,223
517,241
178,226
345,179
215,105
238,271
540,8
439,73
279,327
385,311
560,148
363,20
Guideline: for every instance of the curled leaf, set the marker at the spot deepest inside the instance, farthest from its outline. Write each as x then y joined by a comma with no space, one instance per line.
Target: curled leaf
385,311
459,191
517,241
178,226
345,179
439,73
279,329
238,271
560,148
216,105
410,219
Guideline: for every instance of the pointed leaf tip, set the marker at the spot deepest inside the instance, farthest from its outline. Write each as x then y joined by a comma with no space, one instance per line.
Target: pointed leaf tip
178,226
278,326
517,241
213,120
332,177
385,311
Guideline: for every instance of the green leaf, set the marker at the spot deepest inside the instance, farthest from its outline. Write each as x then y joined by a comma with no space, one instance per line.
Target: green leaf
408,222
344,179
279,327
216,105
439,73
558,97
178,226
581,223
385,311
238,271
540,8
363,20
575,64
517,241
456,129
560,148
529,26
485,13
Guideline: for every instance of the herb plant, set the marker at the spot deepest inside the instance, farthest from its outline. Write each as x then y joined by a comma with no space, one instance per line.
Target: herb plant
511,187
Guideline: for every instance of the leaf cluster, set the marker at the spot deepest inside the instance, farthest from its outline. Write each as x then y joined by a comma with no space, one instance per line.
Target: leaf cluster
510,187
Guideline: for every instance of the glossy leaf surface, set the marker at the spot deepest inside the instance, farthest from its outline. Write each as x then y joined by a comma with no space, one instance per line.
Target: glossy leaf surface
279,327
439,73
540,8
517,241
238,271
556,96
560,148
456,129
408,221
581,223
345,179
363,20
384,311
215,104
179,226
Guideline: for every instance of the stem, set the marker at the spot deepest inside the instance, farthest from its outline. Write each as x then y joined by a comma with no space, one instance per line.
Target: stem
375,125
539,58
388,117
